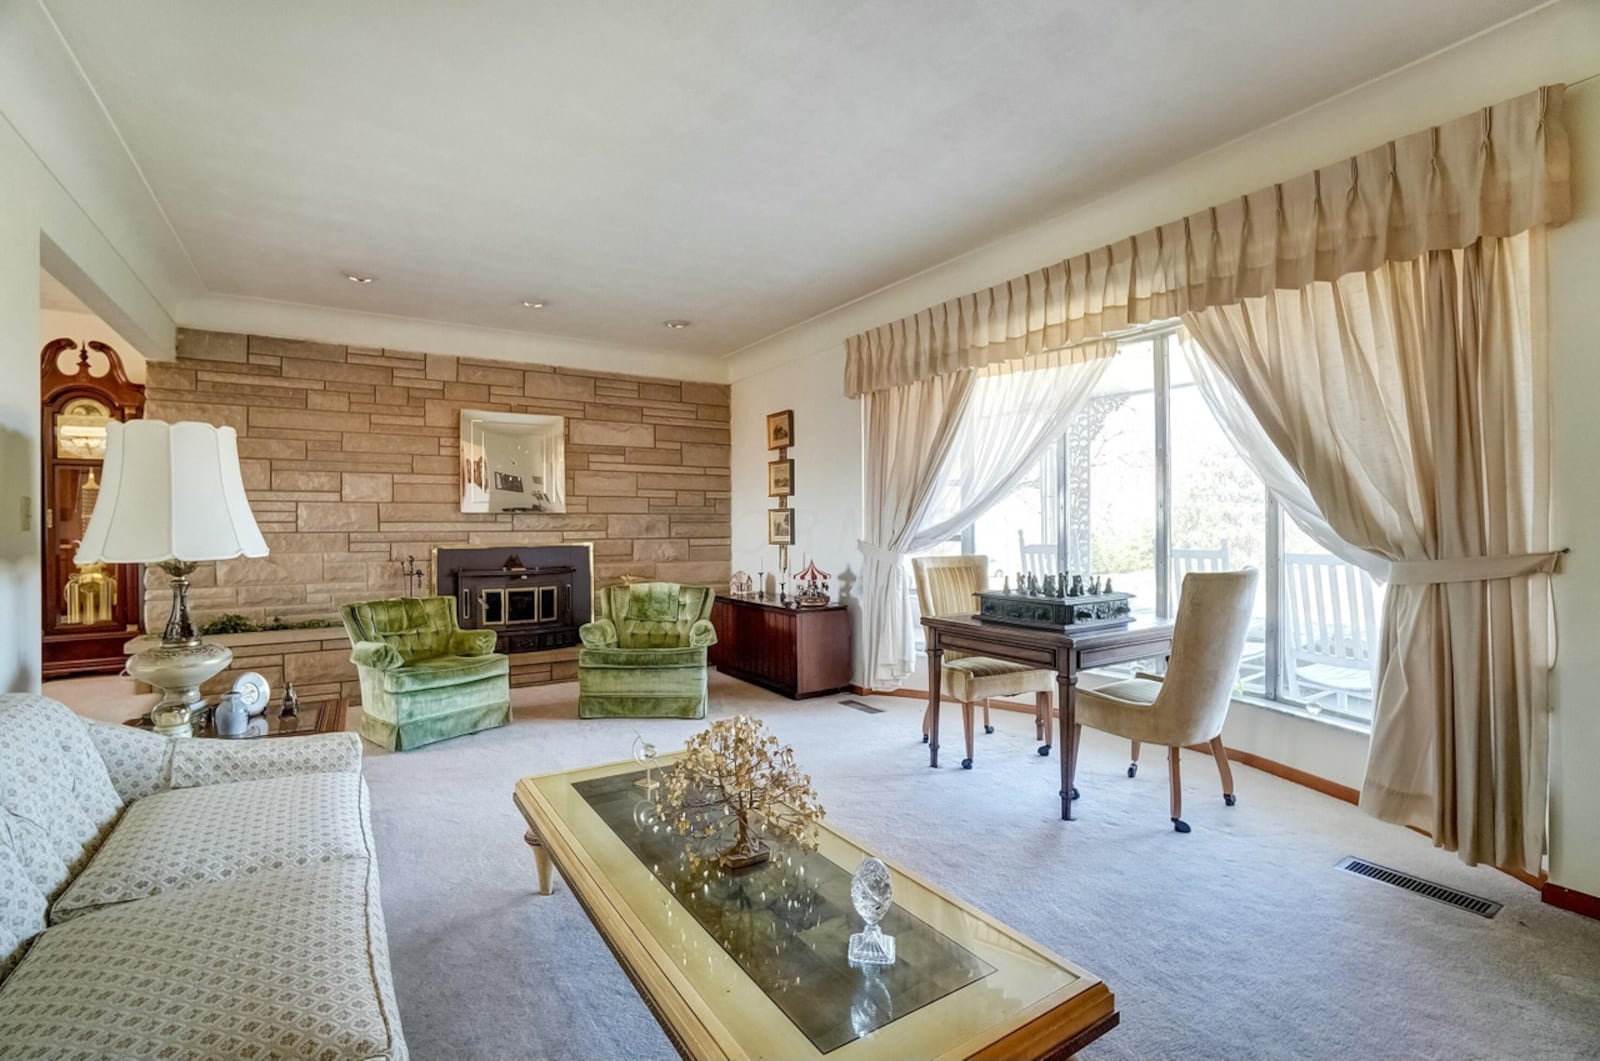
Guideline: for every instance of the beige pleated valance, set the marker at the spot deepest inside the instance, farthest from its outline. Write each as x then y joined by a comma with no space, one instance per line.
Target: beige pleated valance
1497,172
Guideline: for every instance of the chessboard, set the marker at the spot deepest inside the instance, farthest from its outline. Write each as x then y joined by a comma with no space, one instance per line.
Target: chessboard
1084,612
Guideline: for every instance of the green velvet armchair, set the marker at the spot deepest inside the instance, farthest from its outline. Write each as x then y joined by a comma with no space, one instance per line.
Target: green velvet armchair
645,657
422,679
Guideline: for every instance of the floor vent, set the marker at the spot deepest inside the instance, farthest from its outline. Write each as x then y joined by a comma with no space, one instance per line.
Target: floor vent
859,706
1473,904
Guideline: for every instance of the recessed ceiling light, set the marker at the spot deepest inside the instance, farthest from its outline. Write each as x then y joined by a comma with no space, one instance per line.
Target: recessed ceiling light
676,325
533,303
354,279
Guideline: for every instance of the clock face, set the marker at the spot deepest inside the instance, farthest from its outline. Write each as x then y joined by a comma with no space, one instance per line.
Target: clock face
252,692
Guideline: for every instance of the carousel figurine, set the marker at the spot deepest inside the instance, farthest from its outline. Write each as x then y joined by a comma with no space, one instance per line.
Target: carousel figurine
812,586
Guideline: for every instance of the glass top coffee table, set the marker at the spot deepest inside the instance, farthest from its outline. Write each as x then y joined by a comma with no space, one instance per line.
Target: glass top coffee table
753,964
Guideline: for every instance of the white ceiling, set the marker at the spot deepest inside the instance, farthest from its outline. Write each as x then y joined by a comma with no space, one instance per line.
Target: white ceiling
744,164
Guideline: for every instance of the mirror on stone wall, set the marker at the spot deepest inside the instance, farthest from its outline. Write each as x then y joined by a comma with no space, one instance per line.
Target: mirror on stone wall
512,462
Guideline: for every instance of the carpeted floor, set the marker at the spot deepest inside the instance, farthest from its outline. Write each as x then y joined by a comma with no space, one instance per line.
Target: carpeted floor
1239,940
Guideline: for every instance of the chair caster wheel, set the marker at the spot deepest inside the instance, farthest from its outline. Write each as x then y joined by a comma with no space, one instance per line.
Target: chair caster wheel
1133,769
1044,749
966,764
988,729
1074,791
924,738
1229,798
1179,825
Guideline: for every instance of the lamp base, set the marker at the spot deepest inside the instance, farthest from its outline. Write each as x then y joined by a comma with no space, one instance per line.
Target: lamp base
178,669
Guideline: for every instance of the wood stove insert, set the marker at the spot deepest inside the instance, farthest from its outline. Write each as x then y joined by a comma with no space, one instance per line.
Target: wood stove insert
533,597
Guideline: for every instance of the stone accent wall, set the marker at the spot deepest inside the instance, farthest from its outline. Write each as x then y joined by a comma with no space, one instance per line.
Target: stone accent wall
349,456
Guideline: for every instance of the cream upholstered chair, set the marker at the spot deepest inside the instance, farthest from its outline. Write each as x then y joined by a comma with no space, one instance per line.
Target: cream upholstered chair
1188,705
945,585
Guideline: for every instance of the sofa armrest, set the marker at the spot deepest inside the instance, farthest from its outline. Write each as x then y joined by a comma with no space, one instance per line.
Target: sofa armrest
377,655
138,761
213,762
472,643
598,634
702,634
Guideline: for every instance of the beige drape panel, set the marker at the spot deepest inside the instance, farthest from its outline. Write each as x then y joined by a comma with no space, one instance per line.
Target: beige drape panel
1495,173
1410,399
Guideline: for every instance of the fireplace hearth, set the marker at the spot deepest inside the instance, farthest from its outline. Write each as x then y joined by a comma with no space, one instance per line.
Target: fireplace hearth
534,597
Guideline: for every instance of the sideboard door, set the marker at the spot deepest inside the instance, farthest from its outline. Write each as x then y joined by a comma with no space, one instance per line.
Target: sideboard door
794,651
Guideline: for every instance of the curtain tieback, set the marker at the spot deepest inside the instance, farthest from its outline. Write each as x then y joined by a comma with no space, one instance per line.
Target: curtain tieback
877,552
1472,568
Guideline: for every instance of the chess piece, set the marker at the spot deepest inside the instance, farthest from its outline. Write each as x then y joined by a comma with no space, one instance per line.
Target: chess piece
1022,583
1005,583
1077,586
1107,587
1061,583
1050,585
1033,584
1094,588
291,702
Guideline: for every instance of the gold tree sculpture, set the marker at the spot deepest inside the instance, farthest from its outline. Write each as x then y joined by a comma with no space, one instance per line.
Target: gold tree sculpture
733,781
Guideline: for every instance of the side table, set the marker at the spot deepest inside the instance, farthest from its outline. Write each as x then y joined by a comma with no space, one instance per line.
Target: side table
318,714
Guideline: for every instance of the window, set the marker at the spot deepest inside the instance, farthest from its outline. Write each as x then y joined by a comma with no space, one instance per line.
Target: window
1144,488
1219,512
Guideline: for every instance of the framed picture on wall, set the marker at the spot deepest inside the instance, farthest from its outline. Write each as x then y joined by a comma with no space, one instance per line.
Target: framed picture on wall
780,429
780,526
780,478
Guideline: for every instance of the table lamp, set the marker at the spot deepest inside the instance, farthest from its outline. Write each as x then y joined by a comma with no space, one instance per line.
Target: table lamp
171,494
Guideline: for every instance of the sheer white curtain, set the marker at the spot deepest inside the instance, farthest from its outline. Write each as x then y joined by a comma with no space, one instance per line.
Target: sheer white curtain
909,431
987,429
1410,400
1255,447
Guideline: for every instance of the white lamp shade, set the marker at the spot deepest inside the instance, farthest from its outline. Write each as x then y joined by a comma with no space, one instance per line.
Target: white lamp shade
170,492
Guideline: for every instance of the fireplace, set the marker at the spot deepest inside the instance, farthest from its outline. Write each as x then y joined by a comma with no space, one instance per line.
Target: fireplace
534,597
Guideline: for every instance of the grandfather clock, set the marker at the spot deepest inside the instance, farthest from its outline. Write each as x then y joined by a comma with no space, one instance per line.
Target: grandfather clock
90,610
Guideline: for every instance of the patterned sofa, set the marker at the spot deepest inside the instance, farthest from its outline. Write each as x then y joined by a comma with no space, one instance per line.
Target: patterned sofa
186,899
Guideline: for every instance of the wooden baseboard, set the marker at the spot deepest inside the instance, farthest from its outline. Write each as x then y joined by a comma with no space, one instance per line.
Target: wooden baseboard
1571,899
1288,773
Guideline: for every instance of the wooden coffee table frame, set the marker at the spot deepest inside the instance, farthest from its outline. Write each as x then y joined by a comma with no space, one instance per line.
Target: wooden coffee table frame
1054,1027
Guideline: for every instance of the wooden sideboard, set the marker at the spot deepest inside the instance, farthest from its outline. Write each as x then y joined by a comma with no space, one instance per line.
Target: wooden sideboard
798,652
